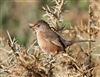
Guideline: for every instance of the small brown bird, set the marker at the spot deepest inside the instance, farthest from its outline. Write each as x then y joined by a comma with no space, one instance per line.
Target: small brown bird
48,40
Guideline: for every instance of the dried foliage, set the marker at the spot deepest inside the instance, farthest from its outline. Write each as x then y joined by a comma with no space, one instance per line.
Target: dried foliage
54,13
40,64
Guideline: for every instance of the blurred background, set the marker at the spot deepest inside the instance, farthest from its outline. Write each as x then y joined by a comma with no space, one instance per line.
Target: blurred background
15,15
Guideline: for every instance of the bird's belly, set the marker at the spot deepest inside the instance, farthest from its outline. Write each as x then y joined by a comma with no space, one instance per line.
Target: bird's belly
47,45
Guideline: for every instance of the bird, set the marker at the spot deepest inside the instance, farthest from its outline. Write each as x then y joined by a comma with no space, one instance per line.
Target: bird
48,39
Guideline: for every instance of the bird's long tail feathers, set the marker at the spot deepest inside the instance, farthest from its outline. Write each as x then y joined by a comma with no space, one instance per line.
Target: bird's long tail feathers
82,41
69,43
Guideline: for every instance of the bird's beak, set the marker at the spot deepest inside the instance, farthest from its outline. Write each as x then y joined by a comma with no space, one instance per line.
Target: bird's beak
31,25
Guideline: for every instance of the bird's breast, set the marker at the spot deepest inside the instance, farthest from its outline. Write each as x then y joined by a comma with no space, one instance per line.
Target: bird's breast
45,44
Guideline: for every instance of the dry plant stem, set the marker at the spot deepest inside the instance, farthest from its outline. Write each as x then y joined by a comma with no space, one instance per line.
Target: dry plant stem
12,43
75,63
59,6
47,9
53,14
93,48
89,30
31,45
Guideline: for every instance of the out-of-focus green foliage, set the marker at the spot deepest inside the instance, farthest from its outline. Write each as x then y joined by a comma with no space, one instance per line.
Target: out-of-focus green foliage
15,15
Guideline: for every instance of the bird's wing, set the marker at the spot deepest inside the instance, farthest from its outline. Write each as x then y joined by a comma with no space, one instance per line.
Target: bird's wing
54,38
66,42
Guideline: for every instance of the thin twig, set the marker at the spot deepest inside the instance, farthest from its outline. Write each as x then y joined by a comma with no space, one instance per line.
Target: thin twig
10,38
93,48
31,45
12,43
74,62
89,29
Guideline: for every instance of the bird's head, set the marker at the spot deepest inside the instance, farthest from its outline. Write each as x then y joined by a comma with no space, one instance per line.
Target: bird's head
40,25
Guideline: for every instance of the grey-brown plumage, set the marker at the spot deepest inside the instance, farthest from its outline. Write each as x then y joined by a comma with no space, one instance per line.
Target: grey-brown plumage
48,40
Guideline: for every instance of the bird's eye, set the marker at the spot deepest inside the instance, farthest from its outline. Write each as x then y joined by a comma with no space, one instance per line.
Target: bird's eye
38,25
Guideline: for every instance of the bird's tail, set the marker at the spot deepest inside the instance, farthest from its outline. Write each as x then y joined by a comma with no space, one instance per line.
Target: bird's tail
69,43
75,41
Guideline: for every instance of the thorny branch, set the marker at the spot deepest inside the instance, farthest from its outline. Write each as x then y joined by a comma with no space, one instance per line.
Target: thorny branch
54,14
